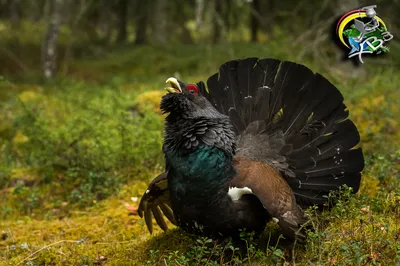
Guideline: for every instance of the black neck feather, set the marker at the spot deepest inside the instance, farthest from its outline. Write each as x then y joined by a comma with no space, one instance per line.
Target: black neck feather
185,134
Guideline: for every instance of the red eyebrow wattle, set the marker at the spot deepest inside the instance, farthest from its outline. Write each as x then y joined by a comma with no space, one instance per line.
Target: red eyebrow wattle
192,87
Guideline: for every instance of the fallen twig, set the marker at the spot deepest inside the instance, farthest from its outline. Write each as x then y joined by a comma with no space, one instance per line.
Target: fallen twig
46,247
15,58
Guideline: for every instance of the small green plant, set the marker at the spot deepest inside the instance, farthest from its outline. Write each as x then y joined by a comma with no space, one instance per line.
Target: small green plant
73,153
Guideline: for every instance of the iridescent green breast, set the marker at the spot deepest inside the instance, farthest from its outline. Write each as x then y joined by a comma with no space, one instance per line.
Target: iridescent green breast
204,168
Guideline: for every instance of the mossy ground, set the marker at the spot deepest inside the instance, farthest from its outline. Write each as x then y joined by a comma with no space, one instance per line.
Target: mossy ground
76,152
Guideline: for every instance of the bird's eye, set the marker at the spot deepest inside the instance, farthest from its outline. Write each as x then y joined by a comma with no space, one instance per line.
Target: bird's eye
192,89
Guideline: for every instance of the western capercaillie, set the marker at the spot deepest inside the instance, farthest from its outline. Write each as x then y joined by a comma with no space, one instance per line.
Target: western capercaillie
265,141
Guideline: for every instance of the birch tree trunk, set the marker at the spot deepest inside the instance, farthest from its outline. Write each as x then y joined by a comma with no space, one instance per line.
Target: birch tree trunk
50,41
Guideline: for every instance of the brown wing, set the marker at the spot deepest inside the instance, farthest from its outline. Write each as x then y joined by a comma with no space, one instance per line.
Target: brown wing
155,202
274,193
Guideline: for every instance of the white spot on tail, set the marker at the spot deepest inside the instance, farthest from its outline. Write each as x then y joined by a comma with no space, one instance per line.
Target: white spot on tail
276,220
315,162
287,214
134,199
236,193
198,226
147,191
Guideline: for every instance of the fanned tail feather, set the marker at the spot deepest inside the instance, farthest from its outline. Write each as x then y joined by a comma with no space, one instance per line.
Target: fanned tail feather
293,119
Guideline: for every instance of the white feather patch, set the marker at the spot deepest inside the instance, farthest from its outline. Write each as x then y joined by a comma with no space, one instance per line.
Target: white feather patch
236,193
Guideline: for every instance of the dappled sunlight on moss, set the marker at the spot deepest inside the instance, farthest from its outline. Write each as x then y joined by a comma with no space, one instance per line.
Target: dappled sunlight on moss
106,229
77,155
20,138
368,239
150,99
378,122
29,95
76,144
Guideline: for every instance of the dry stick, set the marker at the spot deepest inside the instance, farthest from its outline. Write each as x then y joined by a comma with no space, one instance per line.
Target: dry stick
15,58
45,247
320,36
323,24
11,234
115,242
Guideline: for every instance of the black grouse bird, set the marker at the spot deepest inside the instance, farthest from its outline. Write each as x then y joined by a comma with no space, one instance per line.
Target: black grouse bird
265,141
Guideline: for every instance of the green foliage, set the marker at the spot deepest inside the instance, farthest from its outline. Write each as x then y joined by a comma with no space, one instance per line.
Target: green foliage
74,151
205,251
82,143
356,231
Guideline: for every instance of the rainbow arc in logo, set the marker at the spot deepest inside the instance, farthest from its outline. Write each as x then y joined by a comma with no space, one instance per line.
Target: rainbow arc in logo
349,17
363,32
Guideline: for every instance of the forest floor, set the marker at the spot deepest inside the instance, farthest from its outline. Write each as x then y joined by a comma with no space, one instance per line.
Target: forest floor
77,153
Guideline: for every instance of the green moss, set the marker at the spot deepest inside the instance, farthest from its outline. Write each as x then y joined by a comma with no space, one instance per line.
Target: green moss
356,231
74,151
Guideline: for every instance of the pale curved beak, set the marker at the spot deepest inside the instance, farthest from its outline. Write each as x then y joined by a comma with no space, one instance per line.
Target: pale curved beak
174,86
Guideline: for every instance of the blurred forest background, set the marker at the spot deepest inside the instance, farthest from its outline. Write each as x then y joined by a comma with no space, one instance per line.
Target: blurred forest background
81,132
58,32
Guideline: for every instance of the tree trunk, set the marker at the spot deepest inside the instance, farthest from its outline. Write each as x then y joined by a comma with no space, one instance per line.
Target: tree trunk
217,21
199,13
160,22
47,8
50,41
15,12
254,20
142,22
39,12
268,7
179,18
227,14
106,25
122,20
